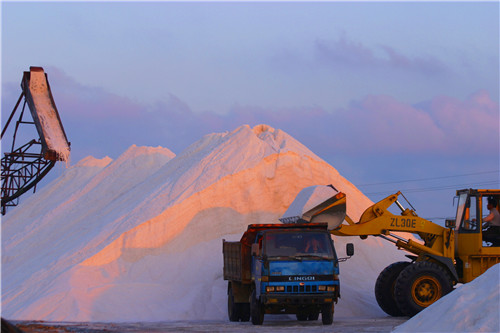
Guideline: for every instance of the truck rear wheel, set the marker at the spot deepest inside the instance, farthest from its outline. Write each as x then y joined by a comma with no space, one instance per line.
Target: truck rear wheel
244,311
419,285
256,309
384,288
327,313
302,316
233,309
313,315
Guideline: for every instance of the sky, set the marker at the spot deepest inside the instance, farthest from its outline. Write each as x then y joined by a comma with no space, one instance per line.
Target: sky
394,95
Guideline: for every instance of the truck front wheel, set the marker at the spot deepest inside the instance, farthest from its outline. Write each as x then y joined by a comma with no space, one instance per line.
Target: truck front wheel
327,313
419,285
256,309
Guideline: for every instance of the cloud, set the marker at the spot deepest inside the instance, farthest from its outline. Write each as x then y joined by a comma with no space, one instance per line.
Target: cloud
100,123
382,124
96,122
91,102
425,65
472,124
347,53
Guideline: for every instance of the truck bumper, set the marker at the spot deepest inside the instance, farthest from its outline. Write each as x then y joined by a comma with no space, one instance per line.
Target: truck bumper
294,299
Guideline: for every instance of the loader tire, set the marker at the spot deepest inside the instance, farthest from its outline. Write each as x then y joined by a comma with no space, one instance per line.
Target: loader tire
419,285
384,288
233,309
256,309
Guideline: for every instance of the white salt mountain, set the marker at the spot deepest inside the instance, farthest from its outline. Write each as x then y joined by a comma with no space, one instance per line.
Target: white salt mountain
140,238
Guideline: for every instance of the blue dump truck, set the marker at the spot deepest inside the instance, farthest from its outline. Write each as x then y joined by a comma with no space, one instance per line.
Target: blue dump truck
282,269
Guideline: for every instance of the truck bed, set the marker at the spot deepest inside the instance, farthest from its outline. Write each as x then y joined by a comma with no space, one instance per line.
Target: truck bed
232,260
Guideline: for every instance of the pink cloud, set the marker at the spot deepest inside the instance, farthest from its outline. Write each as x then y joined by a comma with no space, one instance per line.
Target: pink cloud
471,124
383,123
91,102
107,124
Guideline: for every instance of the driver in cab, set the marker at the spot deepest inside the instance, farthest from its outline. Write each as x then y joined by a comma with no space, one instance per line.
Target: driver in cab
313,246
492,221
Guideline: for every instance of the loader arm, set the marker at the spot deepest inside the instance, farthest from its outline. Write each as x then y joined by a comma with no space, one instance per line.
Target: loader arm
378,221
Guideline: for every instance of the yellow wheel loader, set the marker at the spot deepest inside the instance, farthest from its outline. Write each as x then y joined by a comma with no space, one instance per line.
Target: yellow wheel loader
440,256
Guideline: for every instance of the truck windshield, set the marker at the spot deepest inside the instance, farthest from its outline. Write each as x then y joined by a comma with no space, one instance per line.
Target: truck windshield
300,245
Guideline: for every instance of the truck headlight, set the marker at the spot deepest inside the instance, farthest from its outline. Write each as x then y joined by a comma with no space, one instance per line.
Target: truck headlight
269,289
280,288
330,288
321,288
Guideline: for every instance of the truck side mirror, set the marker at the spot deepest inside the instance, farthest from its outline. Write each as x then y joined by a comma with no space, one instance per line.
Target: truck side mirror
255,249
349,249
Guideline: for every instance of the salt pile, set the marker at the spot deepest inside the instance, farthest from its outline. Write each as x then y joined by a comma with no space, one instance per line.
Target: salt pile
140,238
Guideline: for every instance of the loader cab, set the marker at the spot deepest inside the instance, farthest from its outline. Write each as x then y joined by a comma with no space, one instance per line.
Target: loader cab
471,209
473,255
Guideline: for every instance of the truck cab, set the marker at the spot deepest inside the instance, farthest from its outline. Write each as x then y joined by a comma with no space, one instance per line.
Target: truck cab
292,269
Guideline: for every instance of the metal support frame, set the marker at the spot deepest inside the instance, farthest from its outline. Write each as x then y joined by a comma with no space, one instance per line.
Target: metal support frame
23,167
21,171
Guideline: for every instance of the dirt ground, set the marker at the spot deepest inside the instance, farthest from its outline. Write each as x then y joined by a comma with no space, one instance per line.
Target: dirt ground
271,324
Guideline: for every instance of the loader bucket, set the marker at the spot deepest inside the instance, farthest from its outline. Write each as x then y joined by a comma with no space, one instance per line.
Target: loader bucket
317,204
